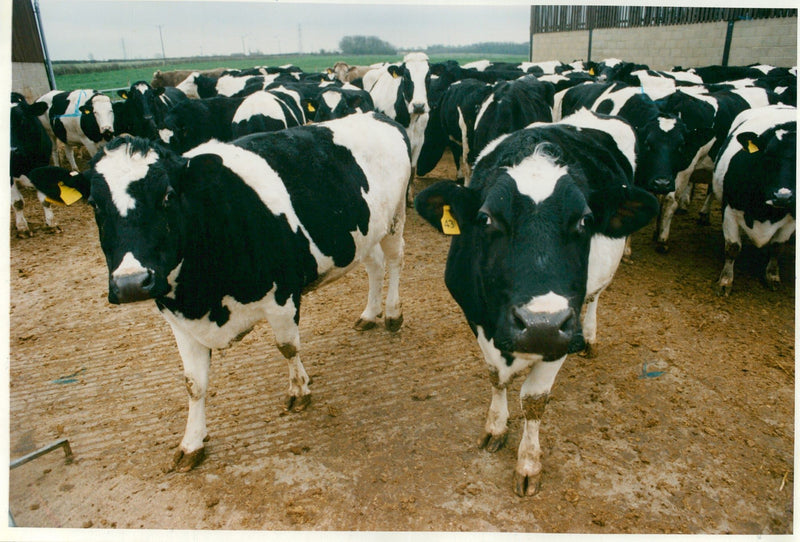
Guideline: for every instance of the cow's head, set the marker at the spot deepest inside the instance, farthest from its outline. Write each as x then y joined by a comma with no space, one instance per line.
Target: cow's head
133,185
143,109
663,153
186,125
415,76
29,144
99,106
773,157
518,262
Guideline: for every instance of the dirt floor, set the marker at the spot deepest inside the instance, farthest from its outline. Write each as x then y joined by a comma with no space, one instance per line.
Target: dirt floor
684,423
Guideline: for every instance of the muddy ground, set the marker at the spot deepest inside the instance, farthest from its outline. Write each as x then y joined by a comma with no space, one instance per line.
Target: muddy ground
682,424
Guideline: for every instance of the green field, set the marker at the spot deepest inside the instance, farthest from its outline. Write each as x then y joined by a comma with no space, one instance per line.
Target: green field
103,80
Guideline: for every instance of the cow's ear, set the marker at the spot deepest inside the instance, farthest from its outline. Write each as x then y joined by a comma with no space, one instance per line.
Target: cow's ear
635,210
750,141
447,206
196,170
38,108
159,90
309,105
60,185
86,109
395,71
123,94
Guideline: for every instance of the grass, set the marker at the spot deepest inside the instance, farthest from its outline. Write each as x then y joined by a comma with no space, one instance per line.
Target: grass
123,78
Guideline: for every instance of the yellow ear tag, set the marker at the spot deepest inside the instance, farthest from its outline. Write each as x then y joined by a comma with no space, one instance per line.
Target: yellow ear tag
394,74
311,108
68,194
591,71
751,147
449,224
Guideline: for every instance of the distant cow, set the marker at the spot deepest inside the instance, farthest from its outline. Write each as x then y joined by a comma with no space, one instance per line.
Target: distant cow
400,91
230,234
30,149
694,109
336,102
538,233
347,73
79,117
144,108
174,77
511,105
755,178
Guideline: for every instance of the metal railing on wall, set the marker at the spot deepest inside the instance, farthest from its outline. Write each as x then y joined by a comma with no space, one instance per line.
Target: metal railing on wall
569,18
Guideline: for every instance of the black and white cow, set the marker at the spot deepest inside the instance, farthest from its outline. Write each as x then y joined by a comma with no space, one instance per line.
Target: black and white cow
511,105
755,178
335,102
79,117
539,232
452,124
265,111
30,149
694,108
193,122
661,136
229,234
400,91
145,107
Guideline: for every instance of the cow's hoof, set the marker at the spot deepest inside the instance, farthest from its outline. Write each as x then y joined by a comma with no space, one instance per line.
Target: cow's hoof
393,324
53,229
297,404
773,284
492,443
183,462
662,247
723,290
703,220
527,486
589,351
24,234
364,325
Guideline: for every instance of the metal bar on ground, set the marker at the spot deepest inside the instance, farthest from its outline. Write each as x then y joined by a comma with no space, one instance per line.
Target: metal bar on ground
40,452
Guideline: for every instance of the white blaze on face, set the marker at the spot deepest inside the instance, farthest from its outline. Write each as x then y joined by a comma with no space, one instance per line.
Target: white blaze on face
331,99
119,168
536,176
165,134
550,303
667,124
103,113
128,266
418,68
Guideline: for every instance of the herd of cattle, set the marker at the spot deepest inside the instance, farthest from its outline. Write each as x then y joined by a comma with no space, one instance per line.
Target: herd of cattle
226,195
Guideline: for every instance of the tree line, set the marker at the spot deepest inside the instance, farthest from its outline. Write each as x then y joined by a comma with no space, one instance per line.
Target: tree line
372,45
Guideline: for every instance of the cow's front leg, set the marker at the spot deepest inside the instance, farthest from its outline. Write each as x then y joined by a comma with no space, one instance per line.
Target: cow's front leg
669,204
287,335
773,274
393,247
18,202
534,395
70,152
196,361
495,431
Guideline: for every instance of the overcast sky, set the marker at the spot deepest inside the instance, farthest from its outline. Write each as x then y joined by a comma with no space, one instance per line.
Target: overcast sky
76,29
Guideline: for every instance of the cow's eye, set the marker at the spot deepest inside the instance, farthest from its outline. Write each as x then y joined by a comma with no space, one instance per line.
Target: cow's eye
169,197
584,223
484,219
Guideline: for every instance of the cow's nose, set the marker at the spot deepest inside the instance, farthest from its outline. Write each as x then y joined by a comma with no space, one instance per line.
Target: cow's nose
662,186
108,135
418,108
546,333
782,198
132,287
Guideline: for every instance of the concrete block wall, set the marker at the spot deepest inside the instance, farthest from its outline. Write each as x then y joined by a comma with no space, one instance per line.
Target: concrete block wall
767,41
29,79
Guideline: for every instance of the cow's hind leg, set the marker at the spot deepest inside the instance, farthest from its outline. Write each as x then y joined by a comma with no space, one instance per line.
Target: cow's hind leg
773,275
18,203
196,361
534,395
49,216
393,247
733,245
287,335
374,264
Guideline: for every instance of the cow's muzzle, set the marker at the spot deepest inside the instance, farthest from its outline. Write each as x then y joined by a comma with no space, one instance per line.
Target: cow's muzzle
661,186
132,287
782,198
548,334
108,135
417,108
